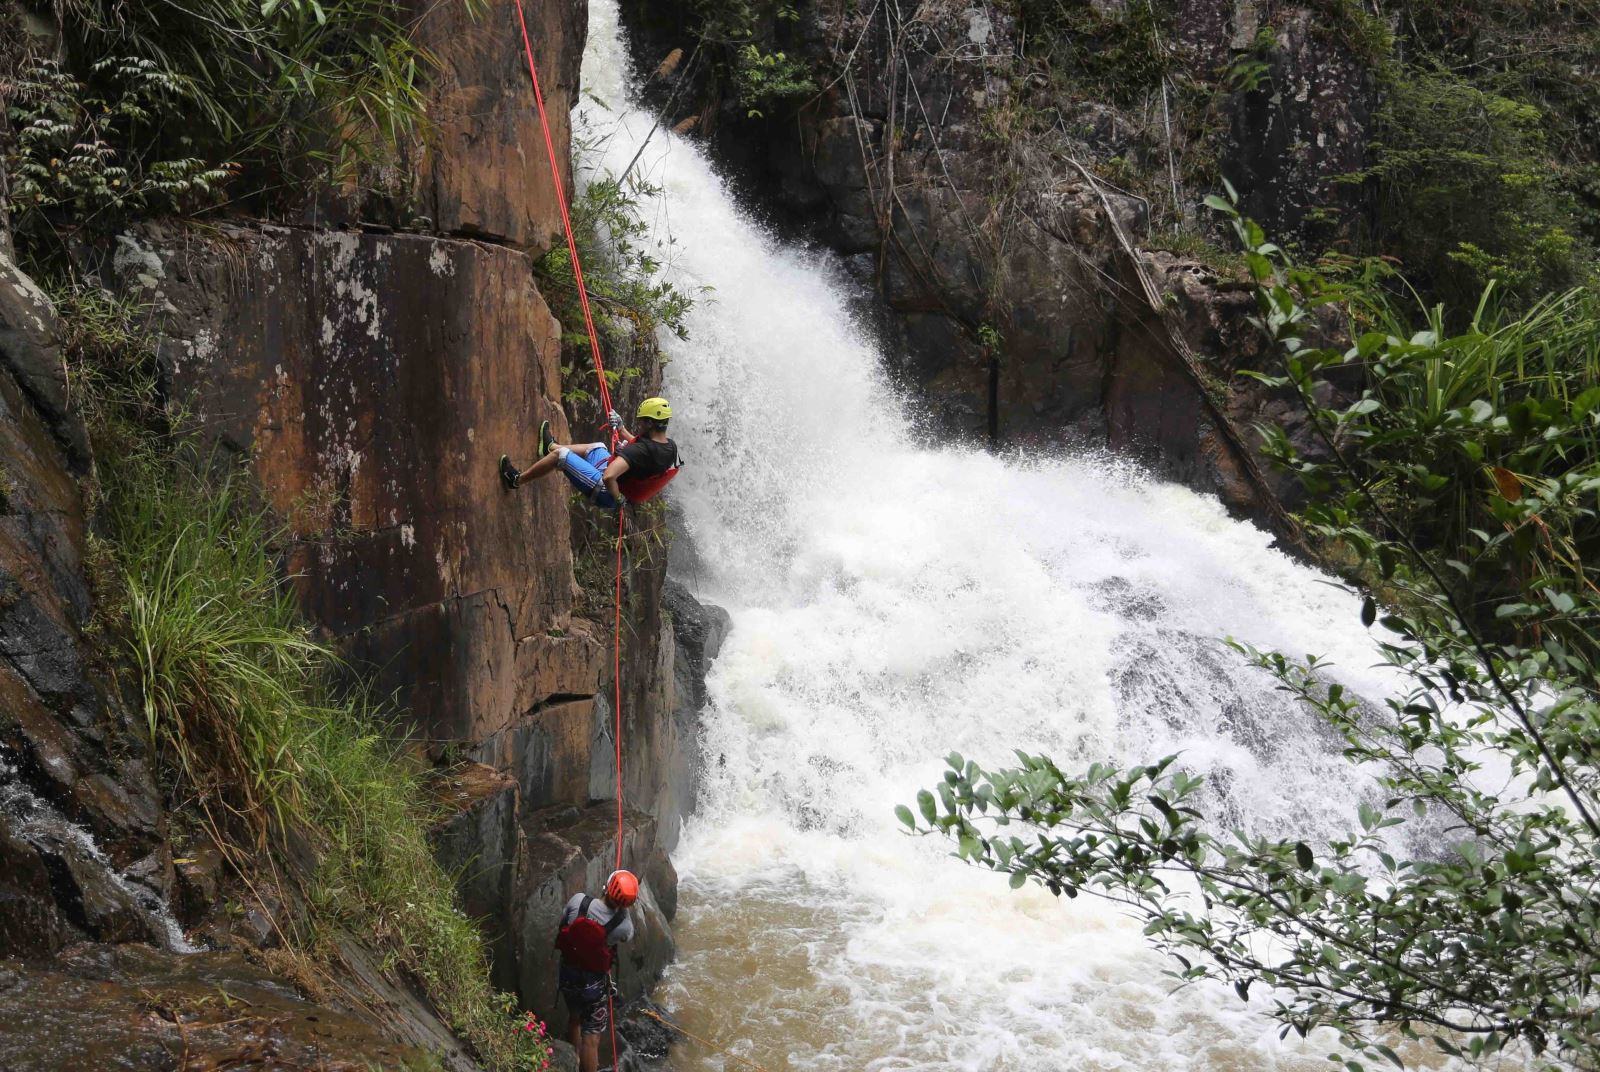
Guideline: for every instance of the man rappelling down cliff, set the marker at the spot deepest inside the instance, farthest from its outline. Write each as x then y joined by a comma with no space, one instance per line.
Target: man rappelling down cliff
590,928
642,466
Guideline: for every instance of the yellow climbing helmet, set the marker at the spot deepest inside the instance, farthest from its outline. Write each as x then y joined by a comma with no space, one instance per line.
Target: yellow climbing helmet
656,409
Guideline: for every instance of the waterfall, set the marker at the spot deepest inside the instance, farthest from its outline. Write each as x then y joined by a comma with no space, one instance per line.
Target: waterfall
893,601
40,824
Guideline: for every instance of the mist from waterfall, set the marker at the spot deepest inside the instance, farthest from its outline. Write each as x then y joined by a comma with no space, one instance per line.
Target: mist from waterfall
894,601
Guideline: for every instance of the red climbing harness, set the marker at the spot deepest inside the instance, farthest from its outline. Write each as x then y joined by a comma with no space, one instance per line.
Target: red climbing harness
642,489
605,405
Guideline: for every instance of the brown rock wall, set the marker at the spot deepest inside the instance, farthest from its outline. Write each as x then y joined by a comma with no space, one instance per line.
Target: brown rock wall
485,171
374,380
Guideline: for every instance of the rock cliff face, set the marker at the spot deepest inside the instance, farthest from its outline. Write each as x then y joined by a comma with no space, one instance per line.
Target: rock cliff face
372,374
484,172
374,380
82,847
1019,292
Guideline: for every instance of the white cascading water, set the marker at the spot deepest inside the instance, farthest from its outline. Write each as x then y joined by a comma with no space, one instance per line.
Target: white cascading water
37,822
893,602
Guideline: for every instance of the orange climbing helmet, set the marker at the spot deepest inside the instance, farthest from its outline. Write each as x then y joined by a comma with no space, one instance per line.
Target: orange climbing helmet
622,888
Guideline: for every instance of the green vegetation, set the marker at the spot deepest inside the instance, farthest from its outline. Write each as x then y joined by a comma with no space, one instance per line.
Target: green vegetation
624,273
1109,56
1467,192
1477,431
258,723
1484,160
67,159
1465,483
181,104
1170,115
1483,150
738,40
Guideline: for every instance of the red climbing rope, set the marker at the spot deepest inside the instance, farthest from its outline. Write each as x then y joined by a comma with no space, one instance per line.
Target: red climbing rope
616,679
605,404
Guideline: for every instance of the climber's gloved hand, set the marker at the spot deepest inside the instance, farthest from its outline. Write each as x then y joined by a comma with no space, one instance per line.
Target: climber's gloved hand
614,418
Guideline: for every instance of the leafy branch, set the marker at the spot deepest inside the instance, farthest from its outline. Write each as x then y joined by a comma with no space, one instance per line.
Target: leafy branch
1464,480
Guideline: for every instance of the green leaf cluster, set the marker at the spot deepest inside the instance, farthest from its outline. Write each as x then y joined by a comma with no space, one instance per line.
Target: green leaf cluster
746,64
67,159
624,272
1467,191
1463,477
159,106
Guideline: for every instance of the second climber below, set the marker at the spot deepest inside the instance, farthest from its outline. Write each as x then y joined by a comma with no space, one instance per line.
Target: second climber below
591,929
642,466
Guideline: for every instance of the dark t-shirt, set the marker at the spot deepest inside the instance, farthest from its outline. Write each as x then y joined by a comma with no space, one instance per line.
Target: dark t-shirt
647,458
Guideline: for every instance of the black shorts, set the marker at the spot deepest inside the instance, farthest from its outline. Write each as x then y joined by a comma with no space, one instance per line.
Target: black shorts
586,1001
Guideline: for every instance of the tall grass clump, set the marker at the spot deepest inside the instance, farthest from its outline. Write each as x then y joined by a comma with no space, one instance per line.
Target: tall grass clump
1484,443
262,732
264,729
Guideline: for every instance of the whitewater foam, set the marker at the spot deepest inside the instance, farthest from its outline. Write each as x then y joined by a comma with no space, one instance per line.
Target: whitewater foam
892,603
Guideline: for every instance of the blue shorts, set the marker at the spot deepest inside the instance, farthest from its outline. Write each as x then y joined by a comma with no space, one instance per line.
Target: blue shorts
587,473
586,996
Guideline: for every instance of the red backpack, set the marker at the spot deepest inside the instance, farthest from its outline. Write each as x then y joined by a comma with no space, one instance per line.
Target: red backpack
582,942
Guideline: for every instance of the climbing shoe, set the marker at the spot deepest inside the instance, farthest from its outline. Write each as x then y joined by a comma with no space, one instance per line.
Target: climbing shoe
508,473
544,440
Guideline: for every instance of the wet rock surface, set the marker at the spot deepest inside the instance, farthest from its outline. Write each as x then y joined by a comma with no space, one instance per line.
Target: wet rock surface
374,381
1306,125
1017,298
647,1042
485,171
132,1008
80,819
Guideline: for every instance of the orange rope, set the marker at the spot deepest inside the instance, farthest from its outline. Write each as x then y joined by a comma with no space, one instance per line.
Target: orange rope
616,678
707,1043
605,403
